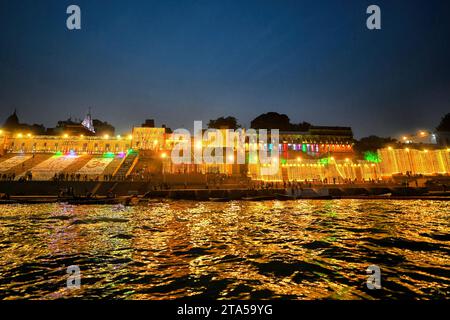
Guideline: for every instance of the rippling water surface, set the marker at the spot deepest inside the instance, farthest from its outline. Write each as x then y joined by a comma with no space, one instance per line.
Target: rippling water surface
235,250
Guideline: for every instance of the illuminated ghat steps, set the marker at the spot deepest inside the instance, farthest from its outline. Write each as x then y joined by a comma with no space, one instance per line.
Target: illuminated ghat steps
53,165
77,164
113,166
31,161
126,165
10,161
391,162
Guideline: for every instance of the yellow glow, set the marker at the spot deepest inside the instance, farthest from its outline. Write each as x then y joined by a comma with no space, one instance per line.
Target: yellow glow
199,145
448,150
81,135
155,141
347,159
425,150
299,159
332,158
66,135
231,158
404,138
163,155
119,136
422,133
407,149
1,131
130,137
29,135
106,136
389,148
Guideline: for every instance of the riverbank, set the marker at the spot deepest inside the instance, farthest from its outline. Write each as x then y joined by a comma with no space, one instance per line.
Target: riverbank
36,192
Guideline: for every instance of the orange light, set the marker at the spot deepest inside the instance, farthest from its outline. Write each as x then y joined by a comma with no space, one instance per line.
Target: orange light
163,155
66,136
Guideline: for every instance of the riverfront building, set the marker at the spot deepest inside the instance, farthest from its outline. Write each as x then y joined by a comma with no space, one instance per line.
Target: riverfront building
320,154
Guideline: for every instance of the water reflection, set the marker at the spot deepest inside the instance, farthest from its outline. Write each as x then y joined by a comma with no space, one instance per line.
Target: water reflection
244,250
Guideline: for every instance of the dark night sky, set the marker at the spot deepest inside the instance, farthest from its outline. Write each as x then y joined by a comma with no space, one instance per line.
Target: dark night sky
185,60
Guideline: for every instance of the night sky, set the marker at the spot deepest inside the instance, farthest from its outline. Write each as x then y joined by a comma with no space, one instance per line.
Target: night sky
185,60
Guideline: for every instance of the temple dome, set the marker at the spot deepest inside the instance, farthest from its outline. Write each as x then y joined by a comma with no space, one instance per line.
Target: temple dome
12,121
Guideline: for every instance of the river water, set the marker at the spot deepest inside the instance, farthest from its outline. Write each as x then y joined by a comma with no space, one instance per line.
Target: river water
235,250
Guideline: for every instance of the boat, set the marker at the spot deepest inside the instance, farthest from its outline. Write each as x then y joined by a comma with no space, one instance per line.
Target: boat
92,201
318,197
225,199
259,198
281,196
7,201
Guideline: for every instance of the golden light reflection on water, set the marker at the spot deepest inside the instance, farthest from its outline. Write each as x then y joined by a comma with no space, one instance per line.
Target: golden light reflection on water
244,250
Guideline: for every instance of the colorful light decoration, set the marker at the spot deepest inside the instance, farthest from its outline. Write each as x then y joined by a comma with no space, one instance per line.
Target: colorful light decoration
372,157
108,155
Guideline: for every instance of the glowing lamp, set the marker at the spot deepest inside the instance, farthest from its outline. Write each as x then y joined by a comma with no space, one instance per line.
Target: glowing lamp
163,155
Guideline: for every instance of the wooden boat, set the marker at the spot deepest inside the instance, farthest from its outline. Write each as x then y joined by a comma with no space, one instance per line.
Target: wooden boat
259,198
7,201
318,197
282,197
92,201
220,199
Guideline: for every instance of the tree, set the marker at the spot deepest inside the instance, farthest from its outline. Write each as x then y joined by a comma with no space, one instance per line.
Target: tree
224,123
303,126
271,120
274,120
372,143
445,123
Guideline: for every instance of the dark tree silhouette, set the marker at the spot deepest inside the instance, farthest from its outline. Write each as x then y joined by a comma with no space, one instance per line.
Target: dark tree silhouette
271,120
274,120
372,143
224,123
444,125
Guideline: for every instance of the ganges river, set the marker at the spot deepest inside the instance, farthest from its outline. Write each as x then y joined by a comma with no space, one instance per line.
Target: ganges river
302,249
